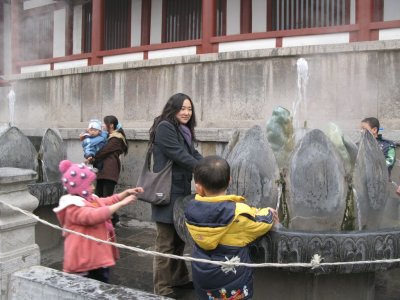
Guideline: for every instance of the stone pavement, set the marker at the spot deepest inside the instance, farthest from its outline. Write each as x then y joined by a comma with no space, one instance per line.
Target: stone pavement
135,270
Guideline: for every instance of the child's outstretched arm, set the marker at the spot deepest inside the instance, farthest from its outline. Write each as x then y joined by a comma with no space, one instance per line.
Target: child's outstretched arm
255,222
92,216
275,217
126,197
114,207
128,192
121,196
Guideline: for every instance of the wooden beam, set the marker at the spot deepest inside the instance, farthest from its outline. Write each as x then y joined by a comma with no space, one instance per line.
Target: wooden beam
378,10
245,16
271,15
69,23
97,31
146,22
364,13
208,26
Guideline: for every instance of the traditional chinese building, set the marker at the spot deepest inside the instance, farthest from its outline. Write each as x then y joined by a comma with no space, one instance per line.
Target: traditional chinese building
43,35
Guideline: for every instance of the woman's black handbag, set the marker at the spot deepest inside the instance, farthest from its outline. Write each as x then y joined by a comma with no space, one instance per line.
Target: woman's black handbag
157,186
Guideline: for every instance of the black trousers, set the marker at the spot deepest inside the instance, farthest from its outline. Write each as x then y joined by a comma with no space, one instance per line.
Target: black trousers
105,188
100,274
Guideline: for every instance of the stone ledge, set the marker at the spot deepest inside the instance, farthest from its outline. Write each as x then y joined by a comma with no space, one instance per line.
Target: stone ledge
213,134
37,283
218,57
142,134
14,175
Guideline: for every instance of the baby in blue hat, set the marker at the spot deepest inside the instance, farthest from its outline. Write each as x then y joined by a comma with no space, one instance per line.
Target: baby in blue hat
93,139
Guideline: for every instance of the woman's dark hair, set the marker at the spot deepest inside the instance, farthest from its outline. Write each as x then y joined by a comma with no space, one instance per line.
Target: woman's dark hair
113,120
171,108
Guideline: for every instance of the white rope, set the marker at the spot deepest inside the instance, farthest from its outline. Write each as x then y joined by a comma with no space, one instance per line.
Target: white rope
227,269
315,262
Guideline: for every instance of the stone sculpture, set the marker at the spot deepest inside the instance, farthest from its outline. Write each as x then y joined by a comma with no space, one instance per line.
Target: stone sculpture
280,135
370,180
316,185
254,170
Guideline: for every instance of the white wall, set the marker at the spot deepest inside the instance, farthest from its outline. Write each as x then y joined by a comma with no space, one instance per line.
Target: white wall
136,23
389,34
156,19
77,30
59,33
247,45
391,10
259,16
36,3
233,17
317,39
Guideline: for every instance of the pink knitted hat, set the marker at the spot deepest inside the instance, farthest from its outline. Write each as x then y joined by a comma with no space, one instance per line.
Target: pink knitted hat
77,178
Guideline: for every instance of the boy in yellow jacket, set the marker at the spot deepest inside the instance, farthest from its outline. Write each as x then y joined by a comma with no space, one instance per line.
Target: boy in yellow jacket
222,226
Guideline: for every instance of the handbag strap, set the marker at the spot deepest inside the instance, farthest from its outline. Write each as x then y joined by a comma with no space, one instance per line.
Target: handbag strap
149,153
148,156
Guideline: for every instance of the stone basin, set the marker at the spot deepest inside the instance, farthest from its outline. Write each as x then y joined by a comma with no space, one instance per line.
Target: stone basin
286,246
332,198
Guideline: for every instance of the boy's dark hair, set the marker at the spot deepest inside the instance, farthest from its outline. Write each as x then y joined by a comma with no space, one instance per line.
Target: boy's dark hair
213,173
372,122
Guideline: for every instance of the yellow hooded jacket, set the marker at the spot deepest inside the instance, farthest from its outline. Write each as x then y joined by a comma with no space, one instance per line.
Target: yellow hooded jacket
225,220
222,227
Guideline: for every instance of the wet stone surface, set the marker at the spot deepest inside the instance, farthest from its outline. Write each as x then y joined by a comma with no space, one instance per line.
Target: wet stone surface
370,181
51,152
317,186
254,169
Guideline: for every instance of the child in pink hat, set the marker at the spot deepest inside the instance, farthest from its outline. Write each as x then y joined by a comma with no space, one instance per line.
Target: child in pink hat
82,211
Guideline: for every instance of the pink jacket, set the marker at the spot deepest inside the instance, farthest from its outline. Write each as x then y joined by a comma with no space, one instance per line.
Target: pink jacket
90,218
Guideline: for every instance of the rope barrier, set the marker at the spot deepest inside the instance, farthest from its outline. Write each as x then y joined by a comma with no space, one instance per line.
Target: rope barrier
316,261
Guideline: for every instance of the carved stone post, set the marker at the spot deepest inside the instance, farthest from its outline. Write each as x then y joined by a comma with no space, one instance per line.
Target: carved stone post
17,231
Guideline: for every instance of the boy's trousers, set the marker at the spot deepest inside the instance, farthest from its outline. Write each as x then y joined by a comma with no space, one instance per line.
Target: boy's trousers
167,272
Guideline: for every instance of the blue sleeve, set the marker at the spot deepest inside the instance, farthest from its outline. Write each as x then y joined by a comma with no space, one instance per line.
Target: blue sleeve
88,149
92,145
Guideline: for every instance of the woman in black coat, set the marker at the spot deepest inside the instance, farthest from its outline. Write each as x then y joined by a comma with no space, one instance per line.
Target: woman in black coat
172,138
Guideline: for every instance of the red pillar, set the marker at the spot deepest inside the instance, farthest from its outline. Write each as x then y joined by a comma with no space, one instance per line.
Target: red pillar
270,14
364,13
69,28
97,31
245,16
208,26
16,12
146,22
